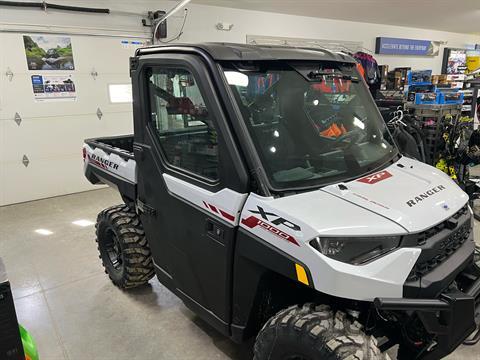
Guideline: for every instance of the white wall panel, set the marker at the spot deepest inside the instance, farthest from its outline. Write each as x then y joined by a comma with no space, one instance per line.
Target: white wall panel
109,56
42,138
91,94
118,123
3,81
3,149
51,133
43,178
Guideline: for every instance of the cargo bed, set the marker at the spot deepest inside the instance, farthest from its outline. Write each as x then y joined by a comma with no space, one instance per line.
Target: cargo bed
110,161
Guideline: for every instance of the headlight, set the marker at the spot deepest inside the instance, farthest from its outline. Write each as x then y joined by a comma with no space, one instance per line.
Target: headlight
355,250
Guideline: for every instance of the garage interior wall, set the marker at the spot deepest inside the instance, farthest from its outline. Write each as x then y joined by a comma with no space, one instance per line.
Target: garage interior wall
51,134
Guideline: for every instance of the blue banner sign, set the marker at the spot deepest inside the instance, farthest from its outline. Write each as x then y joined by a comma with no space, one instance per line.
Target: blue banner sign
395,46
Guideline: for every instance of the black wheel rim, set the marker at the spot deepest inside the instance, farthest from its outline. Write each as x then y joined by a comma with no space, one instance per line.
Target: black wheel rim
113,249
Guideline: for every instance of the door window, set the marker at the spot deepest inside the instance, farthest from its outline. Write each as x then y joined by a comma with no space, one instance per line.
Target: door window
182,122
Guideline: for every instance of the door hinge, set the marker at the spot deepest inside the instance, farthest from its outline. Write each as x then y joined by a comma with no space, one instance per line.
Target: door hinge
9,74
25,160
17,118
94,74
146,209
133,64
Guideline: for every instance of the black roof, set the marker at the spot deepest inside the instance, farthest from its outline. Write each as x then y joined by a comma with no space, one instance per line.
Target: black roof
239,52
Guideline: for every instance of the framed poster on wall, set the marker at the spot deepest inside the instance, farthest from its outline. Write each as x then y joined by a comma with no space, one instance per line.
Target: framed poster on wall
47,52
454,61
53,88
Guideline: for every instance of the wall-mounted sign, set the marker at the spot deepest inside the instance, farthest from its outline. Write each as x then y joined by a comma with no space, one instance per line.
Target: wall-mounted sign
396,46
53,87
47,52
473,61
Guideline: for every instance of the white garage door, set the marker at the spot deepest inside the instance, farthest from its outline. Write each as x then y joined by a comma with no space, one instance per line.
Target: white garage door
50,134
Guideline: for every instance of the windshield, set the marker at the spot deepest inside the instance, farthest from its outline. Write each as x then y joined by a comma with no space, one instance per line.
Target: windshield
311,123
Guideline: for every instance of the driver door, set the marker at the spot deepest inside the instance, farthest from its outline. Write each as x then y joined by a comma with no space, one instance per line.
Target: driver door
192,183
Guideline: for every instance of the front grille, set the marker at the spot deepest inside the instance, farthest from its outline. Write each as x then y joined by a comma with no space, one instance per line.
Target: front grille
446,242
427,234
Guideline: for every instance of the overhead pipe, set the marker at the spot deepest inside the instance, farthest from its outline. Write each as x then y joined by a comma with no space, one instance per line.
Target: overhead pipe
45,6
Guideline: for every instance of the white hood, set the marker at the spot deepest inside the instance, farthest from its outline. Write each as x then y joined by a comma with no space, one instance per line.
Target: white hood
414,195
408,196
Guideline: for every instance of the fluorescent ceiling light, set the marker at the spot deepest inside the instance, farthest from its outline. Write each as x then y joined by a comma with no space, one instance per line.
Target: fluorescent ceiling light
83,222
44,232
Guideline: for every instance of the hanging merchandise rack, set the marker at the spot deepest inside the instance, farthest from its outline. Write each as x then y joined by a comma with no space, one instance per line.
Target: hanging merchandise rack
434,119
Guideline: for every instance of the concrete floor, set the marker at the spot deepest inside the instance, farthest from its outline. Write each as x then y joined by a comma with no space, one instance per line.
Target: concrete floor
65,300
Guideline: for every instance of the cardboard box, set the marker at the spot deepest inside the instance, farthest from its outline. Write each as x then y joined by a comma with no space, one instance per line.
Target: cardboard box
426,98
450,97
420,77
442,79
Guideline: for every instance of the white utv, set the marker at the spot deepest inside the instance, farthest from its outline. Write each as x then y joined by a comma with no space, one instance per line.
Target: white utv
263,188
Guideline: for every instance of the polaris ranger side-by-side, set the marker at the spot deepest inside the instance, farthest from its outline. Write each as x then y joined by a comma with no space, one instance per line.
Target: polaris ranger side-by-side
263,188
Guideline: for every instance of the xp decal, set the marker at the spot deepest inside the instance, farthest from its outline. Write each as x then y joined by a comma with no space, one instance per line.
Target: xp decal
277,221
374,178
425,195
253,221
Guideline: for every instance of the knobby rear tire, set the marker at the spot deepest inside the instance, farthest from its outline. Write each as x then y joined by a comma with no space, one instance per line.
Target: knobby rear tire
131,264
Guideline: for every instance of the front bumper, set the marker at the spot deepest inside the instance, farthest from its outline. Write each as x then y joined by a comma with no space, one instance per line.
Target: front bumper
450,317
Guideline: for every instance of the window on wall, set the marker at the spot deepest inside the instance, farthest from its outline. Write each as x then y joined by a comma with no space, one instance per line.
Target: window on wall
120,93
182,122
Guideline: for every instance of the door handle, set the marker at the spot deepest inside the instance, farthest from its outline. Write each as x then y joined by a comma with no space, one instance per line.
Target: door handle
214,230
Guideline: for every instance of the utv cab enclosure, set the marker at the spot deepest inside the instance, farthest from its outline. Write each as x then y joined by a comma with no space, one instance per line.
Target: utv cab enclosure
263,188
